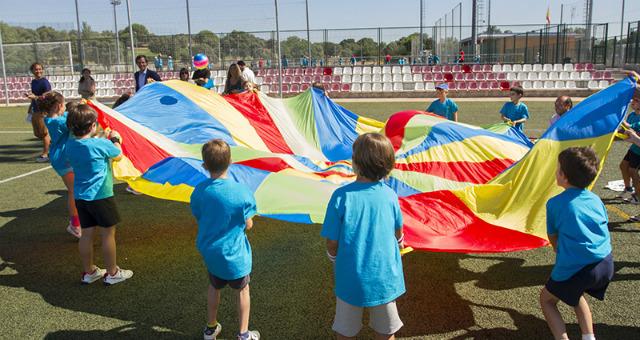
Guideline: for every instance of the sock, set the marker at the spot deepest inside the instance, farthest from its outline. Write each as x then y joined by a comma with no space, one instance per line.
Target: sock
212,325
75,221
588,337
628,189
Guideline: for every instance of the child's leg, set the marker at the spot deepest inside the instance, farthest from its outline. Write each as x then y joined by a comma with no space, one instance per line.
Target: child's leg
85,245
108,236
624,170
583,313
549,304
635,179
46,143
213,300
71,202
244,306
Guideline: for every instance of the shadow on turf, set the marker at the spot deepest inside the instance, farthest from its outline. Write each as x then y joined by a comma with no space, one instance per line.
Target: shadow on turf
291,284
19,153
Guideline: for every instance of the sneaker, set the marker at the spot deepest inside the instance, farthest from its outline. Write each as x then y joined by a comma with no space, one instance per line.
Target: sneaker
121,275
210,333
252,335
626,194
130,190
75,231
635,218
42,159
88,278
633,199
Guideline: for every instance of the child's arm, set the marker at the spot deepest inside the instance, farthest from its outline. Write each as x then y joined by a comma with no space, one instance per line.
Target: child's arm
332,247
553,240
249,224
115,138
455,116
400,238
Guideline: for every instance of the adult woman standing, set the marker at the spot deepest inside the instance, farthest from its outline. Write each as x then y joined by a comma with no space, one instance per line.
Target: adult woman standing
39,85
234,83
86,85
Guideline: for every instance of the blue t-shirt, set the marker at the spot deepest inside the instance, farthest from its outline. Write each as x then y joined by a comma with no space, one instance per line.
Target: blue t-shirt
59,134
90,159
38,87
636,127
363,218
515,112
221,207
633,118
446,109
579,219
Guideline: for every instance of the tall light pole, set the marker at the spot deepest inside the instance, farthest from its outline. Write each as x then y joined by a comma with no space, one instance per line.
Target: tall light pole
80,51
421,32
622,21
306,2
115,27
279,51
189,29
133,51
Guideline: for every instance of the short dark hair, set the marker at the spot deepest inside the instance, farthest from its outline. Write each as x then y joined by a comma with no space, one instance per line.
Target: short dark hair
140,57
373,156
71,105
567,101
580,165
517,90
33,66
216,155
81,119
50,100
184,70
241,63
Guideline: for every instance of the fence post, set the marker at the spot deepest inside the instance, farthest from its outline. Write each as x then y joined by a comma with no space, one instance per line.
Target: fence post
579,49
637,44
526,46
379,44
613,54
606,35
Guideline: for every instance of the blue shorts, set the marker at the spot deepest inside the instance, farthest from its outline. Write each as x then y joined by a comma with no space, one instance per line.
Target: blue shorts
592,279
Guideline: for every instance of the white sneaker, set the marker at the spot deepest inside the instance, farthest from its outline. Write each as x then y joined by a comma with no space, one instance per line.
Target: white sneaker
253,335
75,231
625,195
132,191
42,159
121,275
211,333
88,278
633,199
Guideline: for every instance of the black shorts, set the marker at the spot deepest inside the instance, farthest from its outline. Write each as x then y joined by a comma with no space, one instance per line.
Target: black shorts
101,213
219,283
592,279
633,159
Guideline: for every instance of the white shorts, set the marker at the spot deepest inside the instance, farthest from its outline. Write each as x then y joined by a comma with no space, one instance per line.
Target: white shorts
383,319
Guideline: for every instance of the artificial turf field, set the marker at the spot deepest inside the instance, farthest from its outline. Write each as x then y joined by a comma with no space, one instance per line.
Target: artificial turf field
449,296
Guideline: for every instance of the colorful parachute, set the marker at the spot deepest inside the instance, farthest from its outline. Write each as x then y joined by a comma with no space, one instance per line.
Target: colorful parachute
293,153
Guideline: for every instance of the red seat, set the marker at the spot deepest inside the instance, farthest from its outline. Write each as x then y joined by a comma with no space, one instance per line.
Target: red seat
307,79
438,77
589,67
579,67
295,88
308,72
345,88
327,71
501,76
458,77
427,76
469,76
326,79
297,79
483,85
505,86
487,68
461,86
426,69
335,87
473,86
466,68
317,79
457,68
596,75
480,76
287,79
416,69
436,69
318,71
299,72
477,68
607,75
494,85
446,68
336,79
285,88
304,87
490,76
448,77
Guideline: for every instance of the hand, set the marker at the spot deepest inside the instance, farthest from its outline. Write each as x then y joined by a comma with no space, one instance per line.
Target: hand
150,80
633,136
113,135
30,96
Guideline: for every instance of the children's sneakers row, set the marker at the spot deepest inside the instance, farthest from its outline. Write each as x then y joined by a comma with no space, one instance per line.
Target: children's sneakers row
210,333
108,279
629,196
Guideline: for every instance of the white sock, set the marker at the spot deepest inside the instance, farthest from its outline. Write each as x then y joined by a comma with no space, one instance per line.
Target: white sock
588,337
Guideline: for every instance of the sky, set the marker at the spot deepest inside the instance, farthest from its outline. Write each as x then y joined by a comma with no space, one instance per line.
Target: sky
168,17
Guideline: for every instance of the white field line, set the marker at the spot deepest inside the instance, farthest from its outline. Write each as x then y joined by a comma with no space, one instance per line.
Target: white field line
25,174
25,131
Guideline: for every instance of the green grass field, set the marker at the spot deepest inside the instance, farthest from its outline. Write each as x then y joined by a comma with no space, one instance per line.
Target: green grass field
449,296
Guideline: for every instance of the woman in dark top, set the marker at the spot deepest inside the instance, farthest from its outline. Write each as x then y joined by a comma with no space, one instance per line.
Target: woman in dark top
87,85
201,77
234,83
39,86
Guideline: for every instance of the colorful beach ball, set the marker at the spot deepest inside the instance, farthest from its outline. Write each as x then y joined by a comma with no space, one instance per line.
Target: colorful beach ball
200,61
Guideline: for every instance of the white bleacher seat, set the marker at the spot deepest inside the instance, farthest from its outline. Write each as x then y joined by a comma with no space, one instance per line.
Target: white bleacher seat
522,76
564,75
396,69
430,86
347,70
357,70
537,68
527,68
585,75
571,84
547,68
568,67
397,77
376,70
575,76
560,84
111,92
558,67
603,84
553,76
538,85
366,87
366,70
408,86
527,85
517,68
549,84
337,71
387,87
511,76
417,77
376,78
357,78
264,88
419,86
543,75
592,84
496,68
366,78
397,87
356,87
407,78
387,78
259,80
406,69
386,70
346,78
506,68
377,87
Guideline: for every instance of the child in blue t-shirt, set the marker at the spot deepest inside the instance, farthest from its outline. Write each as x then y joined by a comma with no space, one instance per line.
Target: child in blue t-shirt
91,159
514,112
224,210
631,163
52,104
577,228
444,106
363,228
